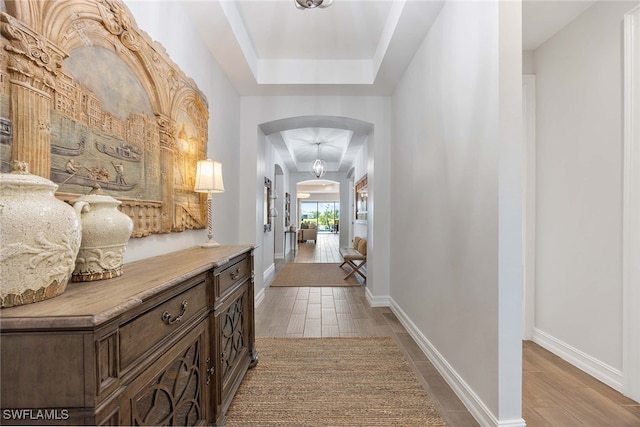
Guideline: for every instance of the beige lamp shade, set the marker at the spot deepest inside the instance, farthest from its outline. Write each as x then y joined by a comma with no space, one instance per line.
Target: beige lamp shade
209,177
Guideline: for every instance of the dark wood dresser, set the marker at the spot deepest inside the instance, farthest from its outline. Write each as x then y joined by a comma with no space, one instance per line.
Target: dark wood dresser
167,343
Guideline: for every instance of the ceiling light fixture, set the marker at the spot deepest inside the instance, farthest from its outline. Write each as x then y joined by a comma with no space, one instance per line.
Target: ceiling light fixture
319,167
312,4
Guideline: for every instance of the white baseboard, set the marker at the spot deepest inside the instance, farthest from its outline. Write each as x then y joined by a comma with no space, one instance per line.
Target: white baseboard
471,401
268,275
592,366
376,301
512,423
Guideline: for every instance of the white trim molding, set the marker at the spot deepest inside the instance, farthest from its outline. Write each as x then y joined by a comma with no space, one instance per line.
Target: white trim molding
376,301
529,204
465,393
631,208
269,274
592,366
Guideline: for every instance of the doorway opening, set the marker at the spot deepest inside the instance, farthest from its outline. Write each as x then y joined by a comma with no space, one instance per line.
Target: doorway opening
318,221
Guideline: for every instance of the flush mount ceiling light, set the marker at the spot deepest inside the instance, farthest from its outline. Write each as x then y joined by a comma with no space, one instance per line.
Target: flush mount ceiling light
319,167
312,4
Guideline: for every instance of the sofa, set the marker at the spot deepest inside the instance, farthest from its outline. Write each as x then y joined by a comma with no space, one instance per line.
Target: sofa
305,234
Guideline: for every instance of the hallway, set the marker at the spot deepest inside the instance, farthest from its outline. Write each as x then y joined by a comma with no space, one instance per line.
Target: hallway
325,250
555,393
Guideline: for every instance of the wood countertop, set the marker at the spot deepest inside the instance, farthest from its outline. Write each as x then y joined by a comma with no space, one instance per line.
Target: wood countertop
91,304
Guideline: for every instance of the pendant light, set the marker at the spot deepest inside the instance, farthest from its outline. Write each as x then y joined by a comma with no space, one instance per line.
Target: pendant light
312,4
319,167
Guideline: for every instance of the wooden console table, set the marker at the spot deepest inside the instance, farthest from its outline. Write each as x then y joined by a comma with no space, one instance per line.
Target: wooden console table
167,343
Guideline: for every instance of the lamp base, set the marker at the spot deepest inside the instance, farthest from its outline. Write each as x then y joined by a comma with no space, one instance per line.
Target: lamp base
210,244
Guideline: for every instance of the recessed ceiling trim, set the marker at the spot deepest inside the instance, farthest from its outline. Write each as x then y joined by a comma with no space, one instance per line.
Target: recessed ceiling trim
312,71
297,151
387,34
231,12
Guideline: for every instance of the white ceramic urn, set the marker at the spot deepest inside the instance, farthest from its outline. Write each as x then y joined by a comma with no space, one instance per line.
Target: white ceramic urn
40,238
105,233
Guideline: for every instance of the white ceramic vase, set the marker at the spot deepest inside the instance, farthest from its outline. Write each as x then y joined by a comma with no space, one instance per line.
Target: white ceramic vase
40,238
105,233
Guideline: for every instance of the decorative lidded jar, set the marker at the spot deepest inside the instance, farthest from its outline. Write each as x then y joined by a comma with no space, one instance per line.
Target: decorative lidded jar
40,238
105,233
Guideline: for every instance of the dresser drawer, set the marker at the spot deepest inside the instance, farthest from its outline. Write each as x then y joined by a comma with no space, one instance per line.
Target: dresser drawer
238,270
147,330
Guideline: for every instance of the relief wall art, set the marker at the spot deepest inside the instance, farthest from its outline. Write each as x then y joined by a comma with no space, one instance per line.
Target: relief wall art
87,99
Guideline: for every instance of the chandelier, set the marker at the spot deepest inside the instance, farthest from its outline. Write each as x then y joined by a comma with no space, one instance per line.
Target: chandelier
319,167
312,4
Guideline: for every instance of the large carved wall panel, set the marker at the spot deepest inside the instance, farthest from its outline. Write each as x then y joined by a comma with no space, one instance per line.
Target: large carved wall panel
88,99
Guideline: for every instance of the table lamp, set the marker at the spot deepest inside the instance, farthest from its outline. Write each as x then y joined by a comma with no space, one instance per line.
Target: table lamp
209,180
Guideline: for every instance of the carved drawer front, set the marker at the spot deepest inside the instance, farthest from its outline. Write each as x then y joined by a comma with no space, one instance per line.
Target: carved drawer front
149,329
172,391
238,270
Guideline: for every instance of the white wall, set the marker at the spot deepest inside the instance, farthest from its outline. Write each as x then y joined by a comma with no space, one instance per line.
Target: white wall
452,138
528,62
264,254
579,191
631,208
375,110
168,23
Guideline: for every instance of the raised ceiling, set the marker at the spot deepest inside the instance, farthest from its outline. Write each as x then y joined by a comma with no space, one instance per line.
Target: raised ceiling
353,47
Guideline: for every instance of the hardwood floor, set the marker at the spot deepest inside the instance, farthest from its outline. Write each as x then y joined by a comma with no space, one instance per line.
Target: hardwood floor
325,249
555,393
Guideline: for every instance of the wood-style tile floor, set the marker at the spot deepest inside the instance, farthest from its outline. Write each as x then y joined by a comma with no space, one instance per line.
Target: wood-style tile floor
325,249
555,393
344,312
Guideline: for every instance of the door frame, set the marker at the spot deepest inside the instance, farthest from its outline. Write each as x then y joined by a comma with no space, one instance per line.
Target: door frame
631,208
529,205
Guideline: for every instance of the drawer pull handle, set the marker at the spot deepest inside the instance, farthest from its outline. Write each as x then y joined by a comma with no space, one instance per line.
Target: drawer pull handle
235,274
167,317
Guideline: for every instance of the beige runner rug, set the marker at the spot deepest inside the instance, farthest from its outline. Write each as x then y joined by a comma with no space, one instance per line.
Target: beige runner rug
331,382
314,274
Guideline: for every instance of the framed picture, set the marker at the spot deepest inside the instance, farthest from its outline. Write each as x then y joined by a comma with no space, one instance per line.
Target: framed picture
267,205
361,199
287,209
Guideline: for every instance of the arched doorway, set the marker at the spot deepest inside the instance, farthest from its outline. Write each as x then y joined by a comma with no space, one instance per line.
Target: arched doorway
318,207
292,144
274,146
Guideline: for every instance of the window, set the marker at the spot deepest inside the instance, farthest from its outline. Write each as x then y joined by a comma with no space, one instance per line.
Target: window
325,215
